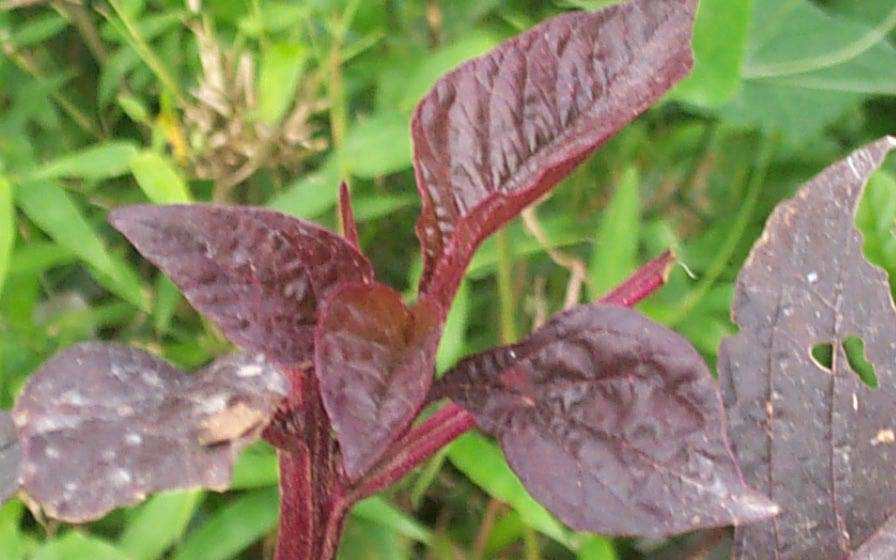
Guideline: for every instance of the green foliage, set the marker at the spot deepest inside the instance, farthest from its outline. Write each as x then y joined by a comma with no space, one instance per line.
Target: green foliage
144,101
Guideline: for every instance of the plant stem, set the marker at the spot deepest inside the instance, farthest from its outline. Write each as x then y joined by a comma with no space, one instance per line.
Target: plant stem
452,421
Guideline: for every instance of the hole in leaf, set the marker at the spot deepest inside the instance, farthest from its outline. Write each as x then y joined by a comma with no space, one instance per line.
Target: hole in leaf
823,355
855,355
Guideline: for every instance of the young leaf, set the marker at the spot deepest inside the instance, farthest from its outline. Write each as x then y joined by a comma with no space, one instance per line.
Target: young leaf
817,440
258,274
501,130
375,360
10,457
158,524
103,425
612,422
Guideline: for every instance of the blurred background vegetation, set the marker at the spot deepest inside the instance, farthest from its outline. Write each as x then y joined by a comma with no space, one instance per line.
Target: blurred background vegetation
271,102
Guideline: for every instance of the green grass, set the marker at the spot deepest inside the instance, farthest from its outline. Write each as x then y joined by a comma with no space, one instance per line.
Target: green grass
124,105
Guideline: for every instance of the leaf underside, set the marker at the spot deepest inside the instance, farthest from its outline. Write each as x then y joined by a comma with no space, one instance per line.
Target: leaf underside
375,360
10,457
501,130
103,425
258,274
612,422
818,441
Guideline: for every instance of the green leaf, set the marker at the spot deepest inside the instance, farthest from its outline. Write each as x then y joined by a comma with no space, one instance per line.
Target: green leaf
483,463
12,541
233,528
720,43
54,211
596,548
7,227
102,161
159,179
165,303
281,66
363,540
78,546
616,246
377,510
312,195
806,67
156,525
378,145
256,468
453,342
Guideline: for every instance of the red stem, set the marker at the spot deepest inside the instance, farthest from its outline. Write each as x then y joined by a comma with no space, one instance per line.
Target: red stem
451,421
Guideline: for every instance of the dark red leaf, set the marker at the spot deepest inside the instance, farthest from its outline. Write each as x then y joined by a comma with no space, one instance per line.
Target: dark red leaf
612,422
103,425
501,130
258,274
375,360
10,457
819,441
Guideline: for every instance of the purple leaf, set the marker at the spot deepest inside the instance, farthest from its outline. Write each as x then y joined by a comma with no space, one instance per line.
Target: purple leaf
10,457
375,360
612,422
103,425
258,274
501,130
819,441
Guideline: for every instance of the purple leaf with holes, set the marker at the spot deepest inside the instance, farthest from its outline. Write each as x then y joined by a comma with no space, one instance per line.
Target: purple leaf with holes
501,130
102,425
819,442
375,359
258,274
612,422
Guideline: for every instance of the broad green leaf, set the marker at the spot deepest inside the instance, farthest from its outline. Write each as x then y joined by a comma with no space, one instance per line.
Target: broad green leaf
616,246
806,67
483,463
233,528
159,523
54,211
378,510
75,545
596,548
378,145
167,297
12,539
370,208
363,540
434,65
453,342
7,227
720,43
876,219
256,468
101,161
159,179
36,257
312,195
281,67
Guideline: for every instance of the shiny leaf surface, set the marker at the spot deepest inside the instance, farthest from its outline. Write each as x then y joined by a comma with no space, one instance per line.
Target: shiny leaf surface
501,130
612,422
258,274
